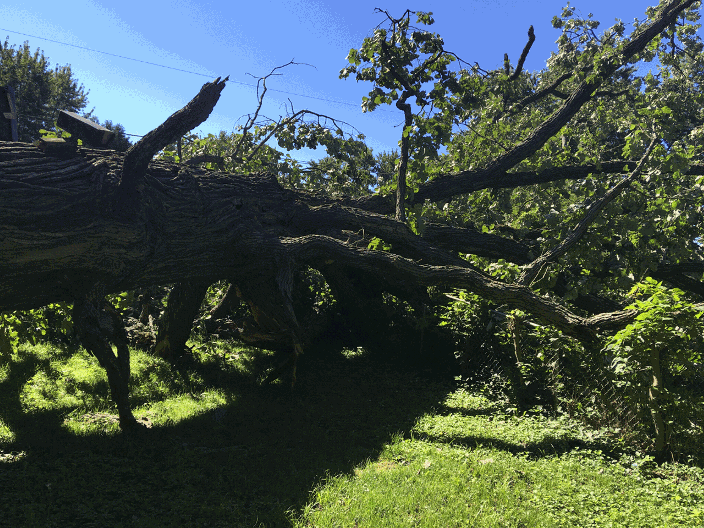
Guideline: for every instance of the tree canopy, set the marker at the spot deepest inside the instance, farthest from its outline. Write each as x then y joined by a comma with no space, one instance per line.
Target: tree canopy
40,91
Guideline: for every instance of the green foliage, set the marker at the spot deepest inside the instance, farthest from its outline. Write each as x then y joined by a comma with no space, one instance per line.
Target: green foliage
666,322
350,169
52,322
378,244
406,63
122,300
662,351
215,293
9,334
610,388
40,91
652,224
232,148
315,292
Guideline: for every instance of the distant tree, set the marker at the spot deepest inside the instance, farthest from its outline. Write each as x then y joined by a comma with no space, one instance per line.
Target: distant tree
120,142
40,91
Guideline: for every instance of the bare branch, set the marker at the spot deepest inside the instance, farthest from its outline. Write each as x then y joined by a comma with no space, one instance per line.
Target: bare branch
251,121
444,187
189,117
675,275
681,281
551,89
280,124
292,119
529,44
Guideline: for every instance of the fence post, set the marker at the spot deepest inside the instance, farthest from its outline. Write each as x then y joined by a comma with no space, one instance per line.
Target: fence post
524,399
8,114
654,394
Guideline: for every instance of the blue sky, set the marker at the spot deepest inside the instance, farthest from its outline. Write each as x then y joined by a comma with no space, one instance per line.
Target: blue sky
236,38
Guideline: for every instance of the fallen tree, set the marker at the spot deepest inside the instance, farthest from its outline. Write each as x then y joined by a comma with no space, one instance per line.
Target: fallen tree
93,222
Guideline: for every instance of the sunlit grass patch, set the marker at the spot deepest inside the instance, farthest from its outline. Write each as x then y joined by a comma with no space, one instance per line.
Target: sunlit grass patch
180,407
470,467
77,385
462,399
512,431
415,483
475,418
152,378
168,411
350,353
90,423
39,352
75,381
6,434
225,353
586,489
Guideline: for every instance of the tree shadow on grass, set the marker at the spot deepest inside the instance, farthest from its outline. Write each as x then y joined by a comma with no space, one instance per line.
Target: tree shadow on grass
445,409
253,462
546,447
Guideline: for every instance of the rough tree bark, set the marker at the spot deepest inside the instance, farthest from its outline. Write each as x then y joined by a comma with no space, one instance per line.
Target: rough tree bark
75,229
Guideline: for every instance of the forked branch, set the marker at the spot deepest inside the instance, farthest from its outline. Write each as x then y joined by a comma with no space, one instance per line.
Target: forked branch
438,188
189,117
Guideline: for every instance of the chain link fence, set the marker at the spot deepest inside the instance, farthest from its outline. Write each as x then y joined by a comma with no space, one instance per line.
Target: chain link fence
538,368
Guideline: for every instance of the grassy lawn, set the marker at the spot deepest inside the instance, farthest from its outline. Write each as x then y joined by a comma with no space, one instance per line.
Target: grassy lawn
357,443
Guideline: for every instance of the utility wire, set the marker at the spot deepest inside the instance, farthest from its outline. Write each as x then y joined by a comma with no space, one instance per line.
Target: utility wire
103,52
181,70
34,116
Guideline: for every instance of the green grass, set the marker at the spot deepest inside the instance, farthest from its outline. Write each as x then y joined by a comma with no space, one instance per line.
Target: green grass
358,443
472,465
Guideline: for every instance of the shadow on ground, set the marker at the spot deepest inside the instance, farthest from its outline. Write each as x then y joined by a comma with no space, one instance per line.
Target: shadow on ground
251,463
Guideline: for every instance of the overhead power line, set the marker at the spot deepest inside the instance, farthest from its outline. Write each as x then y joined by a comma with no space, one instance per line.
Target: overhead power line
179,69
103,52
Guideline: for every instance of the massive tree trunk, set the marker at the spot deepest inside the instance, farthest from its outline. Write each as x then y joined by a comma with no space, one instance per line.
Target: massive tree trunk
62,233
65,237
94,222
